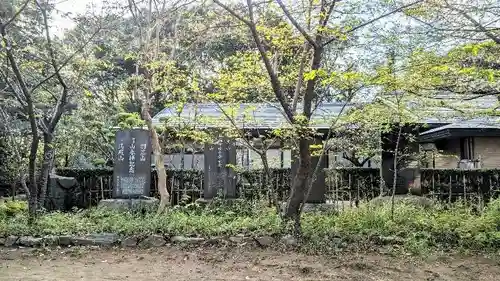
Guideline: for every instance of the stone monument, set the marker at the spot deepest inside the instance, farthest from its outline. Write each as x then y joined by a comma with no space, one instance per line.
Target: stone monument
132,170
219,176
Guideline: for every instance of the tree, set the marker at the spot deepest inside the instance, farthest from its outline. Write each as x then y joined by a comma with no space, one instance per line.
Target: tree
468,68
33,74
318,33
14,147
157,71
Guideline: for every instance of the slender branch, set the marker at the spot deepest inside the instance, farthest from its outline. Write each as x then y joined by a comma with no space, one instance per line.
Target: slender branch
275,83
476,24
25,4
63,64
329,13
451,29
300,80
374,20
17,95
13,63
233,13
297,25
63,98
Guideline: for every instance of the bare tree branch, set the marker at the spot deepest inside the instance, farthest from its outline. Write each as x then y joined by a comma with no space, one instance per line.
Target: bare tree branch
14,17
18,96
375,19
64,95
329,13
233,13
275,83
297,25
476,24
300,79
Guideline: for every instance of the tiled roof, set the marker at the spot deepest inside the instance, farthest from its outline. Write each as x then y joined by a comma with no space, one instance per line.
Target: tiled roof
246,115
270,115
469,124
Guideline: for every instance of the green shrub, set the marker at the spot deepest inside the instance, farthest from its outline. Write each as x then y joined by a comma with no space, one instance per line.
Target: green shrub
12,208
420,229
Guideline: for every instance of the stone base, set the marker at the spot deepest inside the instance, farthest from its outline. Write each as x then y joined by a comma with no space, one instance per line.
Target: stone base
141,204
316,207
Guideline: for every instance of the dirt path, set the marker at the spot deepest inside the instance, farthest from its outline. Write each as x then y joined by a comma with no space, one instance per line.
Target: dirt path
235,264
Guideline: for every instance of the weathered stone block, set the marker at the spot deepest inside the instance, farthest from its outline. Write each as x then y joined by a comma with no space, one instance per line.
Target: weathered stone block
29,241
141,204
289,240
61,193
241,239
10,241
103,239
237,239
265,241
50,240
130,242
187,240
153,241
64,240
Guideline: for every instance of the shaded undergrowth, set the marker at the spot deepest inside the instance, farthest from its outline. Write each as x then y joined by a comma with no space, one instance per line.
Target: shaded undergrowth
414,228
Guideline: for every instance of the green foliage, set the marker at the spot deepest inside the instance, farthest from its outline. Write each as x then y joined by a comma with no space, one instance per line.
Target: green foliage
468,71
129,120
418,229
11,208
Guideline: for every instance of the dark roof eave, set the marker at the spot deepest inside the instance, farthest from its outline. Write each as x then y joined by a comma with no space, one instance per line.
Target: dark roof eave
434,136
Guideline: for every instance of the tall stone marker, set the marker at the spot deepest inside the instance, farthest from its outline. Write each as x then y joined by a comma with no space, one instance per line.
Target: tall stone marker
132,165
217,174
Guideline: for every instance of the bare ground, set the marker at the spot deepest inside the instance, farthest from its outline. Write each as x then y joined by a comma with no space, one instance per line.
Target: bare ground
234,264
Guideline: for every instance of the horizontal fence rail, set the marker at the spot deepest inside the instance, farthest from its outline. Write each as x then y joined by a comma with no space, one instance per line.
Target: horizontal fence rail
352,185
184,186
476,186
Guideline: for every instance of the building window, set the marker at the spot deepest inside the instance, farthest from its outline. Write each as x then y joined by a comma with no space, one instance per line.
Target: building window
467,148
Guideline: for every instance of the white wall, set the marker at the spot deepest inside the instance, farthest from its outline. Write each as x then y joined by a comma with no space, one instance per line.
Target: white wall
251,160
244,158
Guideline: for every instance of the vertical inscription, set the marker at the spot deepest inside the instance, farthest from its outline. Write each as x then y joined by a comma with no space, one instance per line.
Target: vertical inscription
131,158
143,152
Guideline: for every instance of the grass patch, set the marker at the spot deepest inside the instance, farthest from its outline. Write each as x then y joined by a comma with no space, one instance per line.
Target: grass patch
420,229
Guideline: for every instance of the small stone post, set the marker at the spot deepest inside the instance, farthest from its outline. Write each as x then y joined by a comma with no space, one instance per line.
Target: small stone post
217,174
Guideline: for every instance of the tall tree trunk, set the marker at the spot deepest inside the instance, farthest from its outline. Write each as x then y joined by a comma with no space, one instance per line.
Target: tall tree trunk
300,183
30,109
396,170
33,187
161,184
300,187
48,157
381,167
